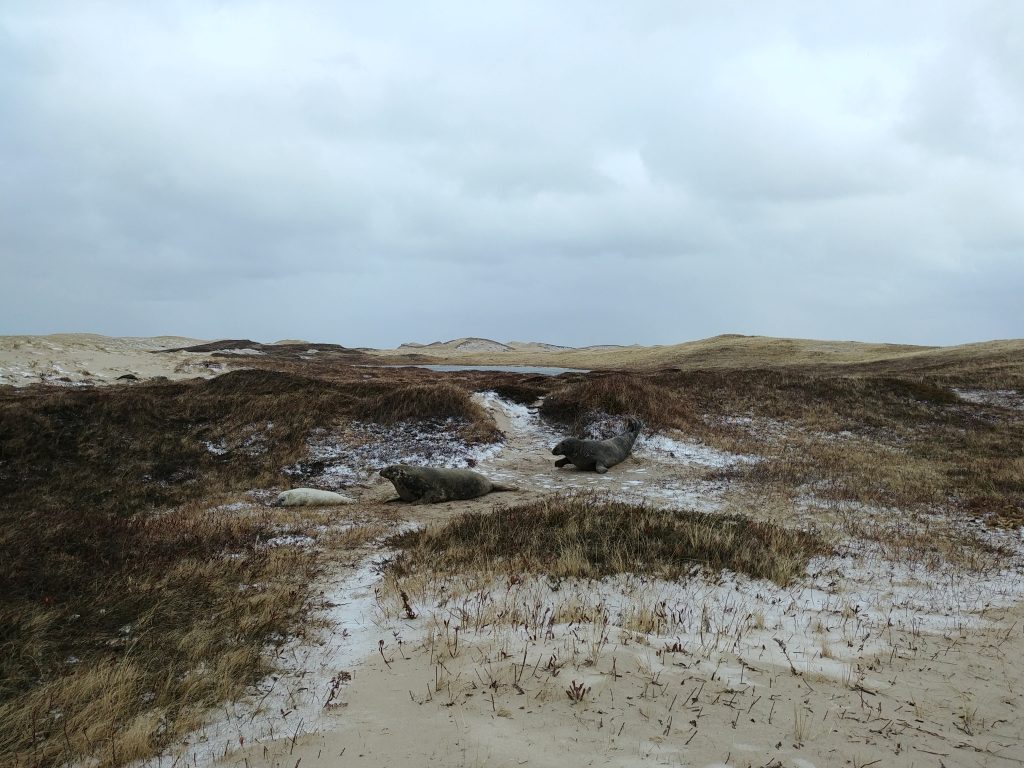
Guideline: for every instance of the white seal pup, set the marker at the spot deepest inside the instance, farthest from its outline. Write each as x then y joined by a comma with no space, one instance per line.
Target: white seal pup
309,497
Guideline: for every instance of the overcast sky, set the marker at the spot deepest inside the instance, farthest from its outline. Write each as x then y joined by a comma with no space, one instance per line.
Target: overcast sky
573,172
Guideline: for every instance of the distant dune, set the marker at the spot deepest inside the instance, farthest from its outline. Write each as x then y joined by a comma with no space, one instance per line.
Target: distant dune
729,350
91,358
76,358
725,351
476,346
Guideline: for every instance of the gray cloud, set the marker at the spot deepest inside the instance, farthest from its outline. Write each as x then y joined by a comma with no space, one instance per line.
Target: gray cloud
375,173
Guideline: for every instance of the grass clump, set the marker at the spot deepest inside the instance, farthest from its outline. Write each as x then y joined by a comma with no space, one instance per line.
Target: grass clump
125,449
526,392
618,394
429,401
118,633
589,536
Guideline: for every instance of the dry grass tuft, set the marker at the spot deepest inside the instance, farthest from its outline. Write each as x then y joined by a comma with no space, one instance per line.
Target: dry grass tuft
618,394
118,633
589,536
435,400
438,400
525,392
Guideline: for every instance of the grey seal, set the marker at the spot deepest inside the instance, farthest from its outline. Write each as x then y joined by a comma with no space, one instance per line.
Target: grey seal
598,455
431,484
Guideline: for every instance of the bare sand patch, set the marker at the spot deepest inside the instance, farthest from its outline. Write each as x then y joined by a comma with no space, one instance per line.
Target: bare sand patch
78,359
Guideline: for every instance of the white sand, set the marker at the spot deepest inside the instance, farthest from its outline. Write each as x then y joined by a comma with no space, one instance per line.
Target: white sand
76,359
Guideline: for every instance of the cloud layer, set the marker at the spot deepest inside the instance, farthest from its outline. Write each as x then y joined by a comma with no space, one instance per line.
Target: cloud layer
576,172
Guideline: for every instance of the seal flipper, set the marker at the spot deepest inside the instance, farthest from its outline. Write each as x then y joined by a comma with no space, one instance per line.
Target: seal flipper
562,462
600,469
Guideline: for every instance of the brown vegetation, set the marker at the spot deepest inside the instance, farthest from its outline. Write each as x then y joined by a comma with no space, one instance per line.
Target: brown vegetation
901,441
127,606
435,401
589,536
126,448
117,633
619,394
996,363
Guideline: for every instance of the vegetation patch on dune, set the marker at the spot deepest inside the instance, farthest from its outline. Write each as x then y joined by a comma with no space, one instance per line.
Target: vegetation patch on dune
439,400
902,442
127,606
618,394
117,633
589,536
899,440
125,448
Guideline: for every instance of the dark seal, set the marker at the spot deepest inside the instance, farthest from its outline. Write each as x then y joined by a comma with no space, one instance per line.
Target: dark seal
429,485
598,455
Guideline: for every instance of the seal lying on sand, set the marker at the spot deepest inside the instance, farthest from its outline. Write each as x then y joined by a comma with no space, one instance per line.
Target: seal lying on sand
429,484
309,497
598,455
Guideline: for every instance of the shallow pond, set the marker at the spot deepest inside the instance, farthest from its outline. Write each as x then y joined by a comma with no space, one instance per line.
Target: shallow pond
543,370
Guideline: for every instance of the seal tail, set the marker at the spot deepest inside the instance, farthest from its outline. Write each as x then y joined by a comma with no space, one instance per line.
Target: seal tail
500,487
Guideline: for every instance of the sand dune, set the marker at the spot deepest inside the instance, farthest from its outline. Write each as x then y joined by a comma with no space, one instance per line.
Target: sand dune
727,351
88,358
91,358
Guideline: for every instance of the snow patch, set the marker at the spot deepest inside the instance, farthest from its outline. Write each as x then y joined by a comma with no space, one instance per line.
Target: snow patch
339,459
663,447
309,681
832,622
1003,398
523,420
290,540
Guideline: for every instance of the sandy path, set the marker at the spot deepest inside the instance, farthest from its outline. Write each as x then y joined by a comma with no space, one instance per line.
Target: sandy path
866,662
954,699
